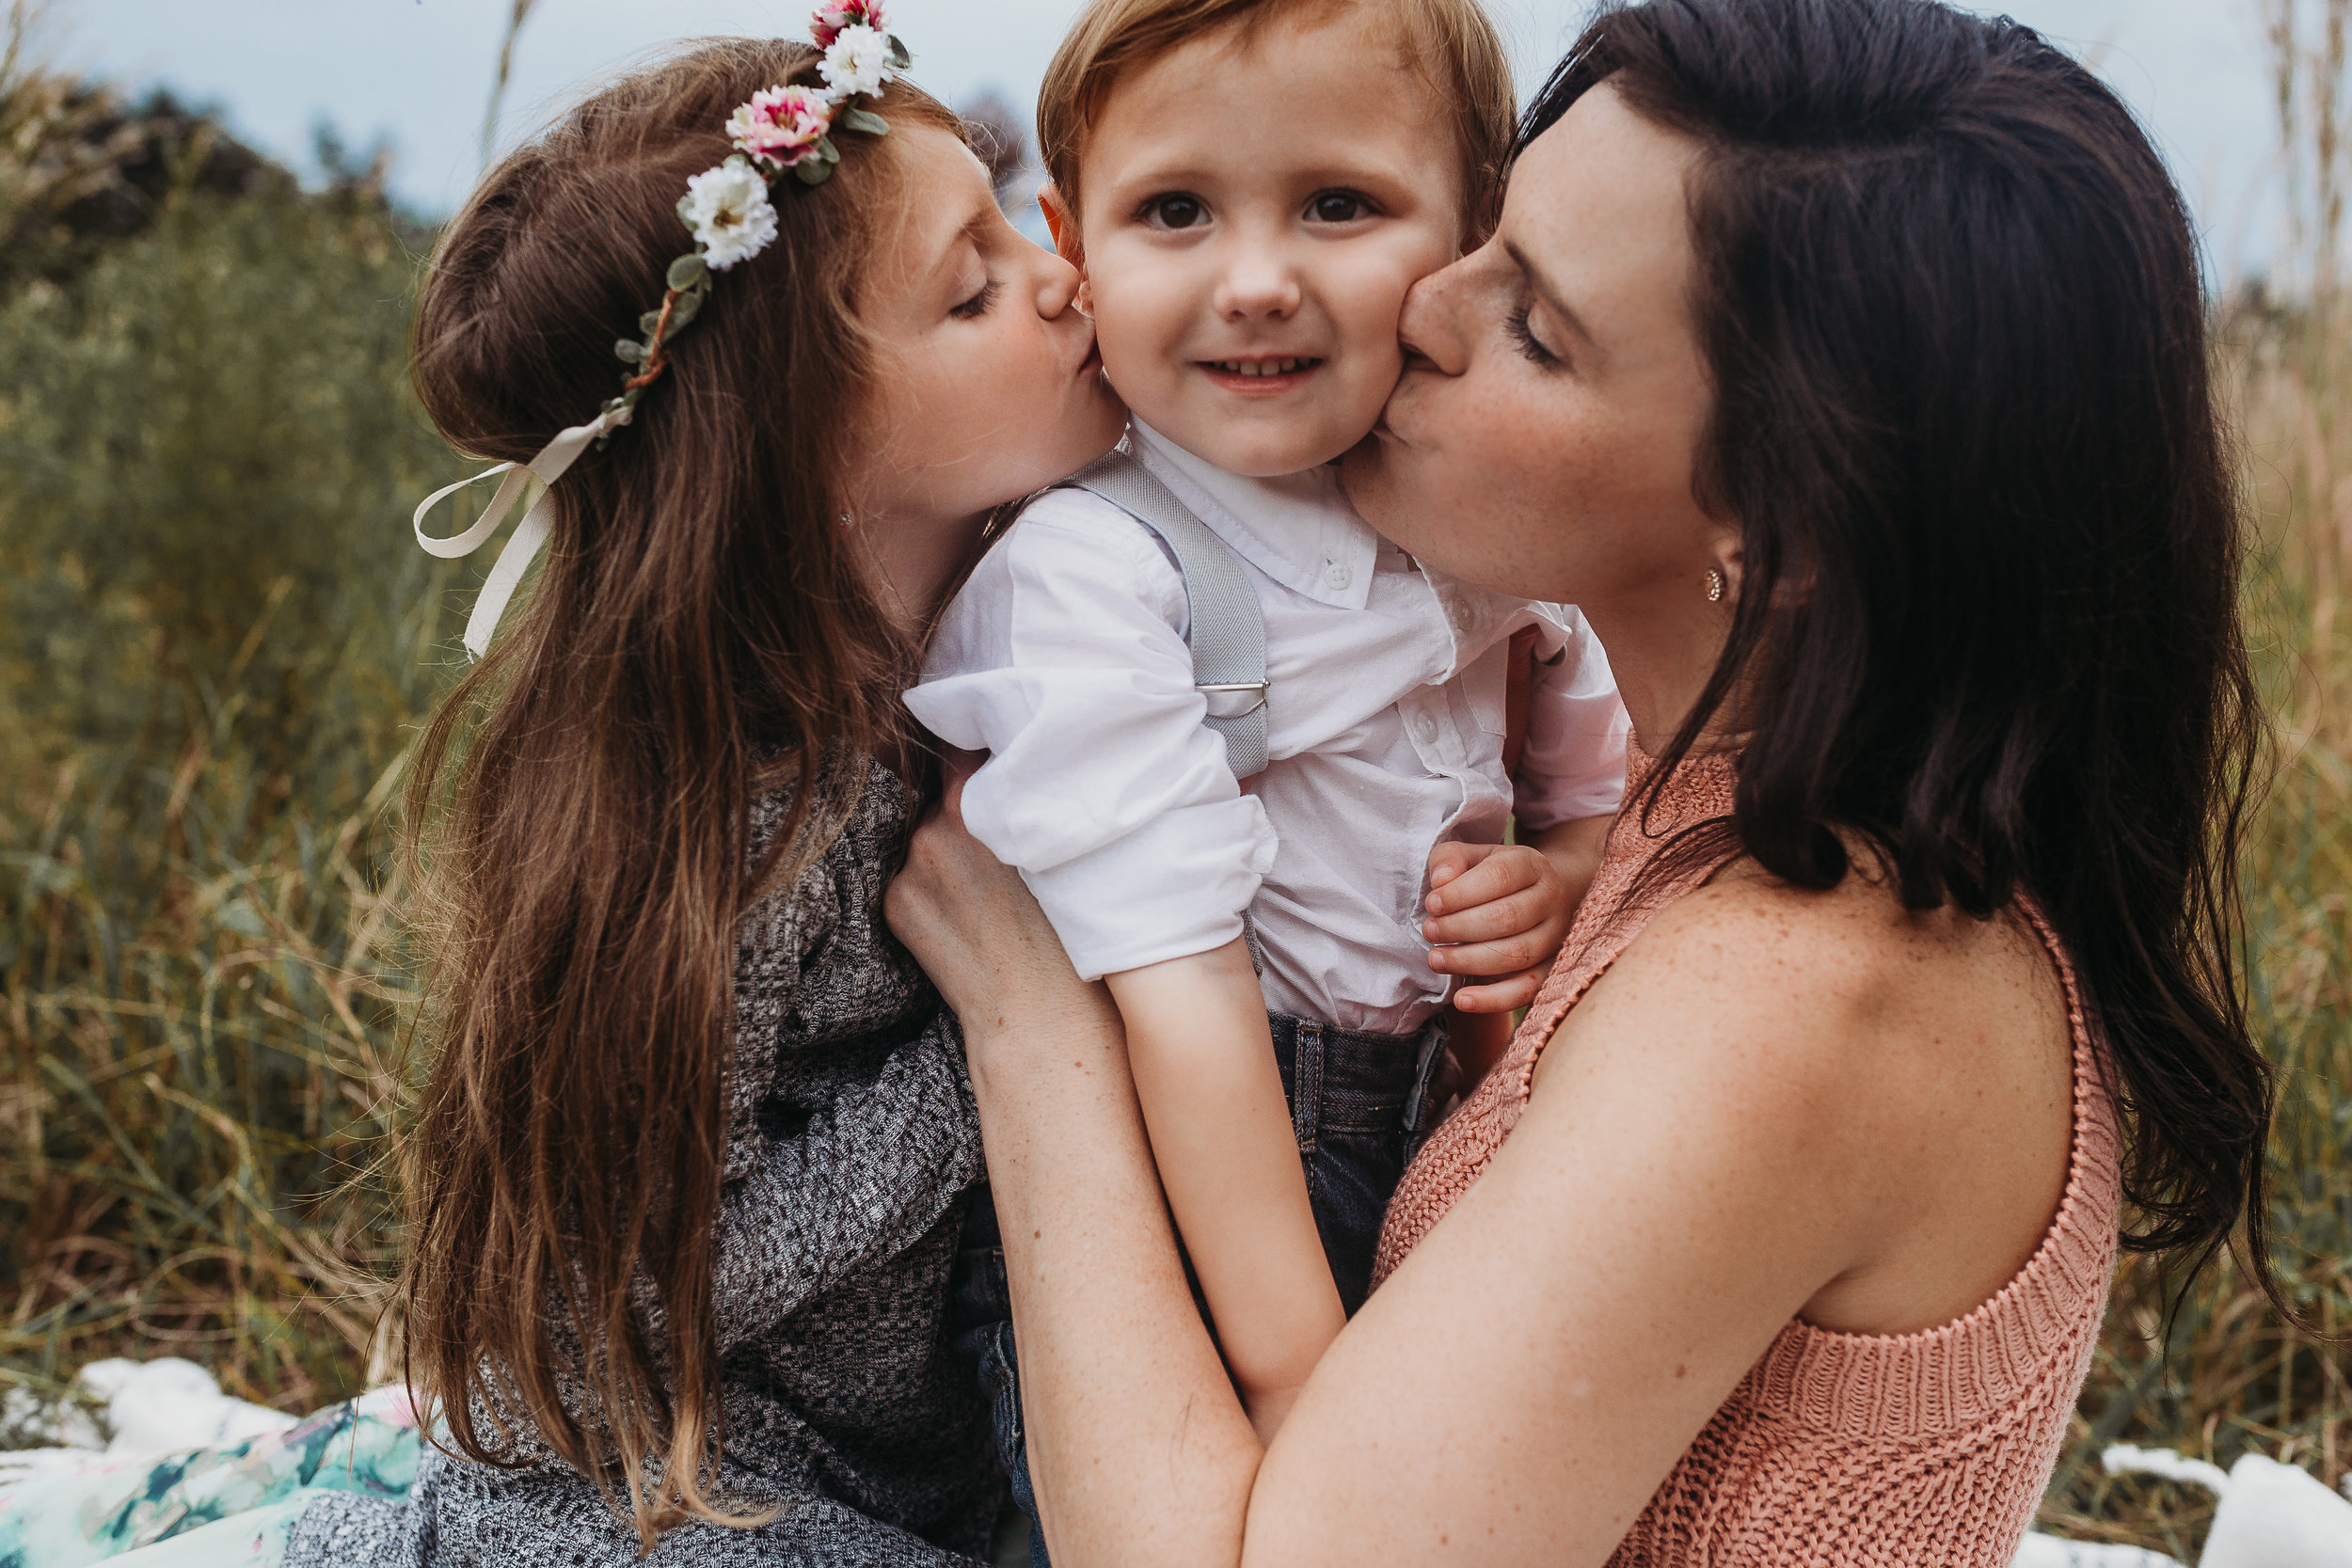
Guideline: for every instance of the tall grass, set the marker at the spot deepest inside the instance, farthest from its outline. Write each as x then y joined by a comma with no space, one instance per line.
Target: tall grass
214,636
215,639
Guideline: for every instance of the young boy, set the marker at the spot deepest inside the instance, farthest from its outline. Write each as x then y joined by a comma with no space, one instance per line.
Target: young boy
1249,187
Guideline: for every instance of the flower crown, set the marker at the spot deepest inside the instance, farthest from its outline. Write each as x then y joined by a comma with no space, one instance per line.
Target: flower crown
783,131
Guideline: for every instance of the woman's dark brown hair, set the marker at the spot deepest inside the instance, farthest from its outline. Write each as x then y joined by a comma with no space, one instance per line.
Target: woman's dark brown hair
703,629
1989,622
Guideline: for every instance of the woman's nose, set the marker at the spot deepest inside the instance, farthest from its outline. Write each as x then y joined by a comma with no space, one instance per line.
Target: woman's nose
1257,281
1430,326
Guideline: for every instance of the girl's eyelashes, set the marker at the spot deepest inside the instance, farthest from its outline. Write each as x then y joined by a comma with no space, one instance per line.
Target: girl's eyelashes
1174,210
1342,206
977,306
1523,335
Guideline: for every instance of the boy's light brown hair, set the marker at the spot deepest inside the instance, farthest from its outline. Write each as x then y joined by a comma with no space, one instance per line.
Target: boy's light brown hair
1451,43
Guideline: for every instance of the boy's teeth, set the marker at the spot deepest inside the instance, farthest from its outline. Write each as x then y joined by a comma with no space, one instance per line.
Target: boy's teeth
1262,367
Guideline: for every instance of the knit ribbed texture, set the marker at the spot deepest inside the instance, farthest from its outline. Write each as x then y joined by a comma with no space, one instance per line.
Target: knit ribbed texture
1930,1450
852,1148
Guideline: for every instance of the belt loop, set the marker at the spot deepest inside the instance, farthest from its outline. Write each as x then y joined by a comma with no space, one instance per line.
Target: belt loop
1417,1105
1307,1084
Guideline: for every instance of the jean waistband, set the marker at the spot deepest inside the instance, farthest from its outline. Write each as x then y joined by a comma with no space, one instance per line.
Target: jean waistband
1359,1073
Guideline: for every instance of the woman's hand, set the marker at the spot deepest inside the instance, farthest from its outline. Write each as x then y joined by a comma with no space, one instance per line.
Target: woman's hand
971,922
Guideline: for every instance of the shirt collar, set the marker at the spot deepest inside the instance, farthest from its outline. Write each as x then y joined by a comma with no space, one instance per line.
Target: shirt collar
1297,528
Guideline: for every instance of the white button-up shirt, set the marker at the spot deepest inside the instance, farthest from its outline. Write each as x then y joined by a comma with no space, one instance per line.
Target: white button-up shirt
1064,657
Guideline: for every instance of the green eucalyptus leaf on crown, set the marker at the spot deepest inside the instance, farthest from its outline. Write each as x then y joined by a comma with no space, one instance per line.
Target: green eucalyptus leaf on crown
812,171
825,150
684,309
648,321
865,120
688,271
685,214
629,351
899,58
736,160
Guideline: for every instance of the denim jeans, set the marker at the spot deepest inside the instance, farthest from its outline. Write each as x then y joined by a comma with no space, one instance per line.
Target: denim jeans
1359,1108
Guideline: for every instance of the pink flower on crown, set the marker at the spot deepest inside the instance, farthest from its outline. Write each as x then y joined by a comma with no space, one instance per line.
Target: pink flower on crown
781,125
835,15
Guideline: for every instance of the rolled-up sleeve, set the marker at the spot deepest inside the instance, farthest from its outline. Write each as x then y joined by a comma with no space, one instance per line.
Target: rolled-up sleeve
1574,764
1064,659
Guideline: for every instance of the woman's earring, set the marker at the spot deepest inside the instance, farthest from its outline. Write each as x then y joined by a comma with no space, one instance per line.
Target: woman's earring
1714,586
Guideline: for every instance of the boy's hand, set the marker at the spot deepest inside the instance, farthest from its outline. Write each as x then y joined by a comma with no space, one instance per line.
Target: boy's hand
1498,912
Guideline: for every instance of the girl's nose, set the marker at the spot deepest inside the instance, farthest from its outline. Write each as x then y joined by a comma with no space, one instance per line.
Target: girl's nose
1057,285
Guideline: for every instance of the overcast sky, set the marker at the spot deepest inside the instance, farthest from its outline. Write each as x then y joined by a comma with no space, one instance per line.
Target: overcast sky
418,72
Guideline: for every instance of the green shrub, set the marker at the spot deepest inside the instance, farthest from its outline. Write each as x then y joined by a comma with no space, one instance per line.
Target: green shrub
216,635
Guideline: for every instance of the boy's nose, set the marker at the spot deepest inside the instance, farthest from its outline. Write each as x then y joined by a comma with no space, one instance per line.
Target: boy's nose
1258,281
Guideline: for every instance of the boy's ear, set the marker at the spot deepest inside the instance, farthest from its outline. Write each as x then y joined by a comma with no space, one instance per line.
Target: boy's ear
1063,223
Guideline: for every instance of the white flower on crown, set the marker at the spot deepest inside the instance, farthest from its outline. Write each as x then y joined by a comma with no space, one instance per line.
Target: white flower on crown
729,211
857,62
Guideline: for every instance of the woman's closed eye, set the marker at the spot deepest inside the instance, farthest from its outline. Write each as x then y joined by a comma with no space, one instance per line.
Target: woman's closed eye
977,306
1518,324
1341,206
1174,210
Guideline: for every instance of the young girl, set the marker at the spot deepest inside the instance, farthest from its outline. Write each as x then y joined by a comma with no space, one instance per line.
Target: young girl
692,1161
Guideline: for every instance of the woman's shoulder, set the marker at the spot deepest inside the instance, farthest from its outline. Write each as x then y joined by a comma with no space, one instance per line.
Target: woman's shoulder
1925,1058
1840,969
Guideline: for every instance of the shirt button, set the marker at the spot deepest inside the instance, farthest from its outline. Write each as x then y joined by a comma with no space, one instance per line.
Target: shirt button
1336,576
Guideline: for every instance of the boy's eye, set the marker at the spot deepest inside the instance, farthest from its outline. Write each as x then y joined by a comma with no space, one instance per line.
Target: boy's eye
1175,210
1340,207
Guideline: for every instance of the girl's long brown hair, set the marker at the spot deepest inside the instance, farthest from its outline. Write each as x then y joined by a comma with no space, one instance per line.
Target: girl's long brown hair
704,628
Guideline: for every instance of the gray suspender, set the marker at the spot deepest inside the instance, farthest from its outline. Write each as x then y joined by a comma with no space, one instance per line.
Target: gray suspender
1227,623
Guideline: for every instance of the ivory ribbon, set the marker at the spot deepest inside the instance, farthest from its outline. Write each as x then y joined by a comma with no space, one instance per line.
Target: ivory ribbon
548,467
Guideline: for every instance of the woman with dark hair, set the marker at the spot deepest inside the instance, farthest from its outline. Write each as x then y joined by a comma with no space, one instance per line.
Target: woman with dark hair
1844,360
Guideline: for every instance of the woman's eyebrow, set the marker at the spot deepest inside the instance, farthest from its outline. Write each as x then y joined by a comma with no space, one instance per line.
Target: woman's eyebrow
1549,292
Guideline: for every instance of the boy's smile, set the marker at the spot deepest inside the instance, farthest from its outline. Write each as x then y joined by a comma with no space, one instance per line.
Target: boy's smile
1255,206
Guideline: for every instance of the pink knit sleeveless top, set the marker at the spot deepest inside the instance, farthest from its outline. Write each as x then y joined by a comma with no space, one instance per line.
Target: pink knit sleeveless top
1928,1449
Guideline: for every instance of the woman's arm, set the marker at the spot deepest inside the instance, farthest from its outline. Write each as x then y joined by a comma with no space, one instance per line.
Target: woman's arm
1709,1147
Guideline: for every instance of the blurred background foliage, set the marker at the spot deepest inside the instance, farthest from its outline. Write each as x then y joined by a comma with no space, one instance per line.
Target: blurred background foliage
216,638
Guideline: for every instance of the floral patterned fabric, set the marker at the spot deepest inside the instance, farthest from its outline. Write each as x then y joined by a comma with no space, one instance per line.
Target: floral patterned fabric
210,1507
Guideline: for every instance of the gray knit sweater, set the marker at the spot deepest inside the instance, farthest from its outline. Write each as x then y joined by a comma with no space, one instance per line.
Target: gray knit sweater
853,1143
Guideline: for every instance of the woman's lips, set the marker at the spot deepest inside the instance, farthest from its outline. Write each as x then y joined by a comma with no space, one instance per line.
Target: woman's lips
1266,375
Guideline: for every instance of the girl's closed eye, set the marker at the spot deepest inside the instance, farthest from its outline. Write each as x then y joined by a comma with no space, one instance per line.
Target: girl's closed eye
1518,324
978,303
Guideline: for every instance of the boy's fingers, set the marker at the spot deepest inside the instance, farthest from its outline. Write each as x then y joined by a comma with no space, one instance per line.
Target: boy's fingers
1448,861
1501,996
1521,912
1522,950
1495,875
